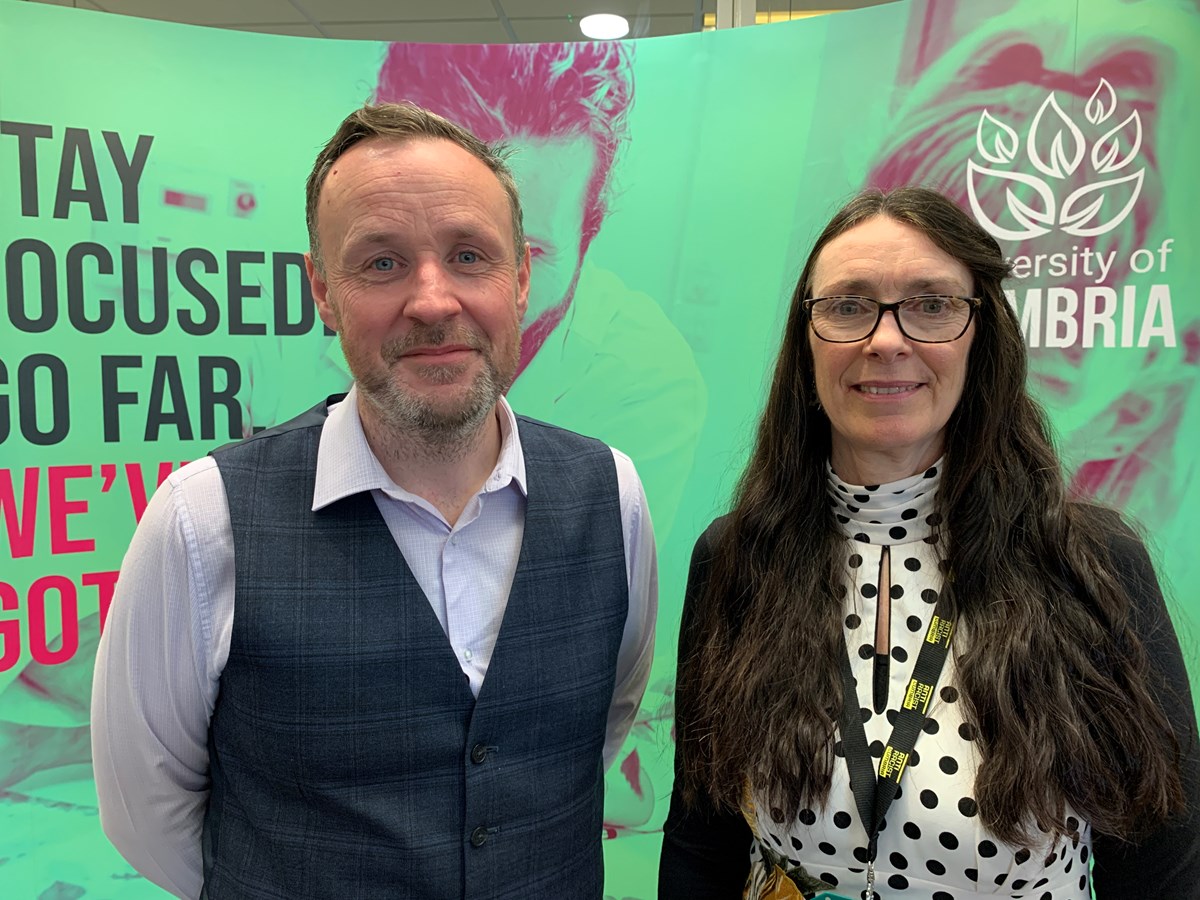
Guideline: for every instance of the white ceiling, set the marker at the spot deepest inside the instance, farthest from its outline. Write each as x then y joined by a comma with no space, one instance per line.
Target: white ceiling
436,21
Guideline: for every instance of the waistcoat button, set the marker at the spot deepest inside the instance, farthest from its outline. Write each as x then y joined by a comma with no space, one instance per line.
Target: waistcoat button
478,753
479,837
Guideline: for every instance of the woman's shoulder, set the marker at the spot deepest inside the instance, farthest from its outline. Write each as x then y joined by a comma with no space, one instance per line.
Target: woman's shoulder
1122,547
711,537
703,554
1116,536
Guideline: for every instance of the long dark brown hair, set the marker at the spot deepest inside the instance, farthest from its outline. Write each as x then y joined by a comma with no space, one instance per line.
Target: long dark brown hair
1053,675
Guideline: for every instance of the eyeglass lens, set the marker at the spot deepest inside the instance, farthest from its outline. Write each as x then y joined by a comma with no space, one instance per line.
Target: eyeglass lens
930,317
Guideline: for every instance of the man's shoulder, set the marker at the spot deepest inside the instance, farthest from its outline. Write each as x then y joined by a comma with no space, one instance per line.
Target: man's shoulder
311,419
548,448
556,436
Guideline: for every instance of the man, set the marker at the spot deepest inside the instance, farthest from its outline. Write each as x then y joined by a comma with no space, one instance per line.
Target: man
595,355
385,649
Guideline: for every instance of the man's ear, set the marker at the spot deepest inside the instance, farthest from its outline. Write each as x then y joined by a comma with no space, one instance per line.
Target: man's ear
320,292
523,284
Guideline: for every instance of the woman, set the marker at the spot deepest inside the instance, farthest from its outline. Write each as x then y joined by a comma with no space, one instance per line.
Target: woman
903,596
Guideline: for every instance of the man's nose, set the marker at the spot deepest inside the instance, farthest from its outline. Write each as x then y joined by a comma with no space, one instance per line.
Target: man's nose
434,297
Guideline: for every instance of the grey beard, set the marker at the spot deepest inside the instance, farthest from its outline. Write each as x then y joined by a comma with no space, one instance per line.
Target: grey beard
437,431
445,433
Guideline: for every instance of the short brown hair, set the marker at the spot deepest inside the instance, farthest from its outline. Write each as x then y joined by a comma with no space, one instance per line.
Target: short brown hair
405,121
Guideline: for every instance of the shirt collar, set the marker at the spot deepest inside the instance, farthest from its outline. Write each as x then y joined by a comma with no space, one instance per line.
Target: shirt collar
346,465
895,513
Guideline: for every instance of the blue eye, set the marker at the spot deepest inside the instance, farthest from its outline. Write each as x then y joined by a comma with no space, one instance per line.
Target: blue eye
383,264
849,307
468,256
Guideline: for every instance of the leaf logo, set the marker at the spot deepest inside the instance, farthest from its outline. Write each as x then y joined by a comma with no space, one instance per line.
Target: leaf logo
1066,148
997,142
1079,222
1034,222
1102,104
1055,147
1105,150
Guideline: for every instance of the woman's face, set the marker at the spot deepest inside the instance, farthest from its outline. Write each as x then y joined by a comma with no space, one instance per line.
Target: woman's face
888,398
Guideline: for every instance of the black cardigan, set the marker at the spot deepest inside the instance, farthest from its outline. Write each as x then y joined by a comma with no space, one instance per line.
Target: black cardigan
706,851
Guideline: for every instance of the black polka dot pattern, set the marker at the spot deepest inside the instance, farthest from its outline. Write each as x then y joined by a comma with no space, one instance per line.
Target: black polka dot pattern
885,514
937,845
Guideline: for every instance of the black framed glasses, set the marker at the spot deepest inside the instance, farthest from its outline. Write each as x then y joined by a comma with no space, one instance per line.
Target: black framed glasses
925,318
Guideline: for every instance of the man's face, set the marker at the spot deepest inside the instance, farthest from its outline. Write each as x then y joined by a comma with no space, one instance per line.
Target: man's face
421,282
553,175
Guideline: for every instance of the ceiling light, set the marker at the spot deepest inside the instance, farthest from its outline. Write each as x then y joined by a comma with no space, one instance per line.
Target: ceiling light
604,26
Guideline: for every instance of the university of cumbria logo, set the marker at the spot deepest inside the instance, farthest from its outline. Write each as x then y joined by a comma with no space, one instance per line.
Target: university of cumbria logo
1056,147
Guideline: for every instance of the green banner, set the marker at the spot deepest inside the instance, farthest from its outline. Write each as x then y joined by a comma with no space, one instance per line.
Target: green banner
156,307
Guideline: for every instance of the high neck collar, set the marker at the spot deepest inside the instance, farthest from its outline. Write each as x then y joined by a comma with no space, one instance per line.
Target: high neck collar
896,513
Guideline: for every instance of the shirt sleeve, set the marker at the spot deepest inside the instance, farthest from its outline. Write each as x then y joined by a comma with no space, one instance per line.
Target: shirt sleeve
637,641
1164,863
705,850
157,674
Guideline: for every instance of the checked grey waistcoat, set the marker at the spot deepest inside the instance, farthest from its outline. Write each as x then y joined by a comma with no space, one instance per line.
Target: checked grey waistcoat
348,756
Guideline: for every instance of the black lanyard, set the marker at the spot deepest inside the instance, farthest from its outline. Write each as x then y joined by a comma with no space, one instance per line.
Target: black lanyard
874,795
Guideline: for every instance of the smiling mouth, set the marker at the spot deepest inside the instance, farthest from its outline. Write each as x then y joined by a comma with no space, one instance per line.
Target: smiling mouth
444,350
888,389
437,351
